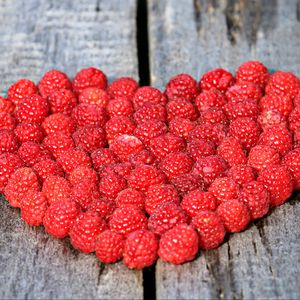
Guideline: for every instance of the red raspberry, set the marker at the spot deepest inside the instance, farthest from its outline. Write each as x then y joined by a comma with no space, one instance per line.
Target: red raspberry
31,153
140,249
56,188
117,126
58,123
148,94
200,148
278,180
187,183
257,198
179,244
243,91
103,157
246,131
159,194
60,217
281,103
21,90
127,219
277,137
209,168
104,207
130,197
52,81
143,176
18,185
210,99
234,214
6,106
94,95
253,71
181,126
110,185
72,159
232,152
269,118
247,108
89,114
83,173
176,164
109,246
292,161
29,133
33,109
262,156
47,167
123,87
241,174
167,143
119,107
33,207
62,101
213,116
181,108
198,200
182,86
219,79
7,121
210,229
85,230
9,163
89,77
150,112
294,119
283,83
142,157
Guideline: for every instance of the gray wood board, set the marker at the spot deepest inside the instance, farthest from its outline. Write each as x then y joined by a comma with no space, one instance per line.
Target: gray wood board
37,36
193,37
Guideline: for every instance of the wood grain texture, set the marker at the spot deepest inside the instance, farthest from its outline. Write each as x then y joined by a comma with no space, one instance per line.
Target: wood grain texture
68,35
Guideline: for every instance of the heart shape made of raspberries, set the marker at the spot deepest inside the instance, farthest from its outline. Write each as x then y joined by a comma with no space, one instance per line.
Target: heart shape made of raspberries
131,173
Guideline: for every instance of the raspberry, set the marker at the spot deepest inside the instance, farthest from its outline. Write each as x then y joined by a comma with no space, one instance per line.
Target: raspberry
241,174
210,99
246,108
52,81
21,90
104,207
198,200
283,83
89,77
143,176
200,148
147,94
269,118
89,138
140,249
165,144
117,126
83,173
277,137
234,214
256,197
176,164
243,91
262,156
103,157
181,108
33,109
281,103
209,168
94,95
56,188
213,116
165,217
150,112
210,229
219,79
130,197
33,207
89,114
253,71
6,106
29,133
159,194
62,101
85,230
60,217
19,184
292,161
142,157
125,145
181,126
119,107
110,185
232,152
109,246
179,244
58,123
7,121
246,131
31,153
187,183
294,119
47,167
182,86
127,219
124,87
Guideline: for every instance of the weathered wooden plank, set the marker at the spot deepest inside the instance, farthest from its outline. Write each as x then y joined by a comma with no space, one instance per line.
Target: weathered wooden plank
193,37
68,35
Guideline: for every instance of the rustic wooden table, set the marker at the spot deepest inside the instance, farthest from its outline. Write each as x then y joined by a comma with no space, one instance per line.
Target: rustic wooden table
184,36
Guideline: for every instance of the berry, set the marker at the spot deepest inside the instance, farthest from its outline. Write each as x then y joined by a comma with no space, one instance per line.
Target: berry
150,112
281,103
119,107
58,123
243,91
269,118
31,153
47,167
292,161
247,108
148,94
241,174
294,119
130,197
8,141
181,108
94,95
210,99
123,87
28,133
103,157
111,184
82,173
104,207
7,121
187,183
21,90
181,126
213,116
6,105
200,148
62,101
